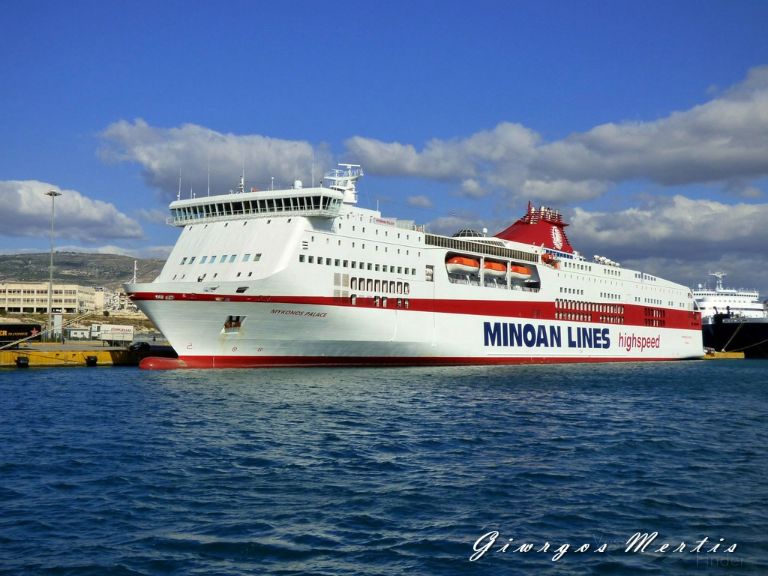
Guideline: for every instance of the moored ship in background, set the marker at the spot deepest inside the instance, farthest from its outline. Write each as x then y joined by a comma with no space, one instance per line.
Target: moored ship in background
304,276
733,320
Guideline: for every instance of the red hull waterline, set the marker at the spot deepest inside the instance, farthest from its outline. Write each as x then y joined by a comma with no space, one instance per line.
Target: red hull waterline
206,362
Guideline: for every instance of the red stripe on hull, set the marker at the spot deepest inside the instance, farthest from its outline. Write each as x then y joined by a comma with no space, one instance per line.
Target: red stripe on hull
206,362
634,314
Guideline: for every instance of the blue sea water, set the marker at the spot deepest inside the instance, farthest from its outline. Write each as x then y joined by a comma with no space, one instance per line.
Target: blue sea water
385,471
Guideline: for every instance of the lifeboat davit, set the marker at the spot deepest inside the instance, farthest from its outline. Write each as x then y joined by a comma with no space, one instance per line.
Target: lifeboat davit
519,272
462,265
494,268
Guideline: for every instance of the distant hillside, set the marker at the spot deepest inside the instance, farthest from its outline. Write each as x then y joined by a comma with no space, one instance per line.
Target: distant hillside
108,270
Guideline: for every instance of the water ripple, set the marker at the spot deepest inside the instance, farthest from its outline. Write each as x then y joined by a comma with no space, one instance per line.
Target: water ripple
383,471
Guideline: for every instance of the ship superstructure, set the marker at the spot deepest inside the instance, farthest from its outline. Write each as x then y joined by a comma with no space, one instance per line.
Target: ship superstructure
733,320
305,276
737,303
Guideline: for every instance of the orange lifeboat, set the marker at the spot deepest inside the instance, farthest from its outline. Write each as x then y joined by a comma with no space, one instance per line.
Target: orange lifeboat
462,265
519,272
494,268
550,259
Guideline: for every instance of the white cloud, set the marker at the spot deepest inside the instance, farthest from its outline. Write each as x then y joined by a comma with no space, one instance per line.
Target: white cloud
486,155
680,239
721,141
420,201
474,189
153,216
201,153
27,212
674,225
555,190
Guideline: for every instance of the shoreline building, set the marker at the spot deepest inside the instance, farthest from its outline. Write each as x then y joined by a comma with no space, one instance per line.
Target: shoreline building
32,298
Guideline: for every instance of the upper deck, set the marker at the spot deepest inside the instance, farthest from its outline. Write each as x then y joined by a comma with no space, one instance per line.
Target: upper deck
320,202
323,201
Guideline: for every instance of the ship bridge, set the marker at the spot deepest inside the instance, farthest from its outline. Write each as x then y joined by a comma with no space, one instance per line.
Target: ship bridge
323,201
320,202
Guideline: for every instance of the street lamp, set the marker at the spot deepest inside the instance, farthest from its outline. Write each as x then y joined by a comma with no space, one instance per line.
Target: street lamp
52,194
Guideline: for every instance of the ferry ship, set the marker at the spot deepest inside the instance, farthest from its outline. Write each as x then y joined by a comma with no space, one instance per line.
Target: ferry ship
733,320
306,277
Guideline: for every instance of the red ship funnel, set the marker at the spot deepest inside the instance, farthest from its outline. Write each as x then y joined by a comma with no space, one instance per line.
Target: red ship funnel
539,227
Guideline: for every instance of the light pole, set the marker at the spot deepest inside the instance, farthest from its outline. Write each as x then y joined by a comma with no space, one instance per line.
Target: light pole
52,194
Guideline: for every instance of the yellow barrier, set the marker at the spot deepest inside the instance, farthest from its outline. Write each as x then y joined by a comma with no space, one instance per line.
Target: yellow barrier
8,358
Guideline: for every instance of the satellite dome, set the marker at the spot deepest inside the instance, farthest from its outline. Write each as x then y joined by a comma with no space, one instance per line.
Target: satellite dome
467,233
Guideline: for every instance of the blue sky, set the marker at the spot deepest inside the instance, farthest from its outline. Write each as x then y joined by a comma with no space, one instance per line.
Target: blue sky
646,123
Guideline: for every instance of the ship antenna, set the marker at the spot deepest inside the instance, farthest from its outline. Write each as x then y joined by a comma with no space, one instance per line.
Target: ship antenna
241,186
135,264
178,194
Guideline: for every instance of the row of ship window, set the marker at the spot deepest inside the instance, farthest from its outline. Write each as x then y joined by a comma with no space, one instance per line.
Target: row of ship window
305,246
383,301
589,306
225,259
641,276
357,265
257,206
386,286
582,311
577,266
581,317
588,268
386,232
30,291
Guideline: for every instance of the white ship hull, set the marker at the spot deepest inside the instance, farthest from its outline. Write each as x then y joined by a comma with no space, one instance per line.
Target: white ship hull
332,284
288,334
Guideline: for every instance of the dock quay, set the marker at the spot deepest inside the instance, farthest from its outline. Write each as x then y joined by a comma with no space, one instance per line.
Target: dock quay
77,354
715,355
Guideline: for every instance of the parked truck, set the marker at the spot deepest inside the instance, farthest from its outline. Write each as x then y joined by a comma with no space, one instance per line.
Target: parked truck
112,334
